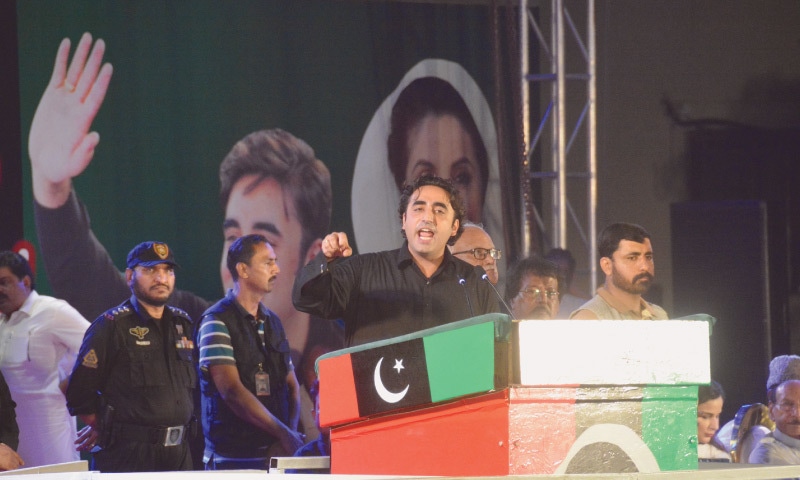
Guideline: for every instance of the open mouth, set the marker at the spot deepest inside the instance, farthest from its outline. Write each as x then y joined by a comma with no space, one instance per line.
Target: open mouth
425,233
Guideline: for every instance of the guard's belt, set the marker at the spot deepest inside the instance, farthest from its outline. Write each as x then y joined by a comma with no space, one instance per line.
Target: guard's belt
166,436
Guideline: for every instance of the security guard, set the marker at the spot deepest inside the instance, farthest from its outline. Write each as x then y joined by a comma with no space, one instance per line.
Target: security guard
133,379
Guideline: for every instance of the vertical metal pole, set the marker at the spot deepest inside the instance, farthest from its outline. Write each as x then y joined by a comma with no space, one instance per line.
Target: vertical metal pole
592,145
525,177
560,151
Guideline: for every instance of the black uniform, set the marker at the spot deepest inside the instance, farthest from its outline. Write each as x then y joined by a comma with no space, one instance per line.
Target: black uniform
9,430
137,374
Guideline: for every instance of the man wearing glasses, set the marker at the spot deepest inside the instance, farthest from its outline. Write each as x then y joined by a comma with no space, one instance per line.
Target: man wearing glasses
782,445
626,258
532,289
476,247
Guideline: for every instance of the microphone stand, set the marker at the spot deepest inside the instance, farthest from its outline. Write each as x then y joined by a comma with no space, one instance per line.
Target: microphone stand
463,283
485,277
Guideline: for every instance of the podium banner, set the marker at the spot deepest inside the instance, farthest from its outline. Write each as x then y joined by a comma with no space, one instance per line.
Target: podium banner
418,369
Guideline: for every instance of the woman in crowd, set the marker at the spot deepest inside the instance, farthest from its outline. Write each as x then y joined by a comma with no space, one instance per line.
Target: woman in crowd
710,399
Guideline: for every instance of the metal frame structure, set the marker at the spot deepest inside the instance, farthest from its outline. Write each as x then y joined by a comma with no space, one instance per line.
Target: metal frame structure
561,103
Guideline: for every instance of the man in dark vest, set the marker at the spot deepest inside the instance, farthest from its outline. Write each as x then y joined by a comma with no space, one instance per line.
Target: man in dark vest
250,394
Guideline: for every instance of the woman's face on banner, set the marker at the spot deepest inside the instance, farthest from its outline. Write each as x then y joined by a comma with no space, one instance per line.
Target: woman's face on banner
439,145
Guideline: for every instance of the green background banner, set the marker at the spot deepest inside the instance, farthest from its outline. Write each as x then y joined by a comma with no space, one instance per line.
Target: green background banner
192,78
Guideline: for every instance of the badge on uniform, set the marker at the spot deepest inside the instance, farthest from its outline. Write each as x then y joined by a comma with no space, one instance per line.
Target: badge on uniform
90,359
184,342
140,332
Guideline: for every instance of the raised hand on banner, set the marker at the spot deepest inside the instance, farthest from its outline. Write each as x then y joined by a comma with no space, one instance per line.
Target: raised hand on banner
60,143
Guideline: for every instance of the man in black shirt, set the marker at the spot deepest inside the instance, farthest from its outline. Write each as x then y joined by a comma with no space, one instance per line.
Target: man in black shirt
418,286
9,430
133,380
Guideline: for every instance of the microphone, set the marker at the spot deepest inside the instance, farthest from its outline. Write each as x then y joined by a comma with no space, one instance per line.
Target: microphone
485,277
463,283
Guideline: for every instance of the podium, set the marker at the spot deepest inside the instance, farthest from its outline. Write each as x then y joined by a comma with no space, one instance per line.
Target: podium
487,396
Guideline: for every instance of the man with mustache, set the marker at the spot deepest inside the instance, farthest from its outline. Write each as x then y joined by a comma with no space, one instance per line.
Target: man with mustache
251,398
626,258
782,446
134,377
532,289
40,337
385,294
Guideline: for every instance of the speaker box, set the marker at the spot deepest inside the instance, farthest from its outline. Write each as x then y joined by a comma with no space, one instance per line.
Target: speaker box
720,266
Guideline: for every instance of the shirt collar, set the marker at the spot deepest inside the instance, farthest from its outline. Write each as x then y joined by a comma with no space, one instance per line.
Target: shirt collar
645,312
262,310
139,309
404,259
26,306
786,439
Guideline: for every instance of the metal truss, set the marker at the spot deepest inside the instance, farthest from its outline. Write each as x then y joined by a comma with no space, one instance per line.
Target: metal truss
568,120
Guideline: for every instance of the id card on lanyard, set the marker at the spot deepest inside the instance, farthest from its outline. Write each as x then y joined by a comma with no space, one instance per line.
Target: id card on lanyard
262,377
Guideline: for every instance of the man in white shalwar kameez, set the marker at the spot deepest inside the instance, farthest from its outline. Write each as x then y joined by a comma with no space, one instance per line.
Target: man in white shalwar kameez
39,340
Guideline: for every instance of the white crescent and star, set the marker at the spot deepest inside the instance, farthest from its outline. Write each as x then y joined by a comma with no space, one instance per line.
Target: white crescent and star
383,392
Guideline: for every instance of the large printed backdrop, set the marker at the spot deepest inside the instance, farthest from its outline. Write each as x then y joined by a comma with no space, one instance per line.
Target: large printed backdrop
190,79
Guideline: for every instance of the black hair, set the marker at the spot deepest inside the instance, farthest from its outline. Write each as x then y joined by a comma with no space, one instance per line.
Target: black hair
712,391
18,265
452,192
430,96
609,238
533,265
242,251
305,180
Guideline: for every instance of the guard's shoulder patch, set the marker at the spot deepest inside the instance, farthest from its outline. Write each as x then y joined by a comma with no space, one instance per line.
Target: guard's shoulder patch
119,311
179,312
90,359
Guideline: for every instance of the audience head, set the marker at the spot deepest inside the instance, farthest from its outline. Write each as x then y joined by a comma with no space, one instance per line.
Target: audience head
710,399
782,368
532,289
784,409
16,281
609,238
626,258
476,247
566,265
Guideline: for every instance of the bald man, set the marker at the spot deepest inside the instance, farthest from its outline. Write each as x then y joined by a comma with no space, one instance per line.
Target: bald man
476,247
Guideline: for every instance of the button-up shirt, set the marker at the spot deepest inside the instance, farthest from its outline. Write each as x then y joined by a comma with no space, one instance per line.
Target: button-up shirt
384,294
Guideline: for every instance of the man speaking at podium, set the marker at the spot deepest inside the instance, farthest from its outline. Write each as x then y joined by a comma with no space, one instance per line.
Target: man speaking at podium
420,285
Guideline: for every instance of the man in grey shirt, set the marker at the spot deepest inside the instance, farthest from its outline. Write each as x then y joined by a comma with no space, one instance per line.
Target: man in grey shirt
626,258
